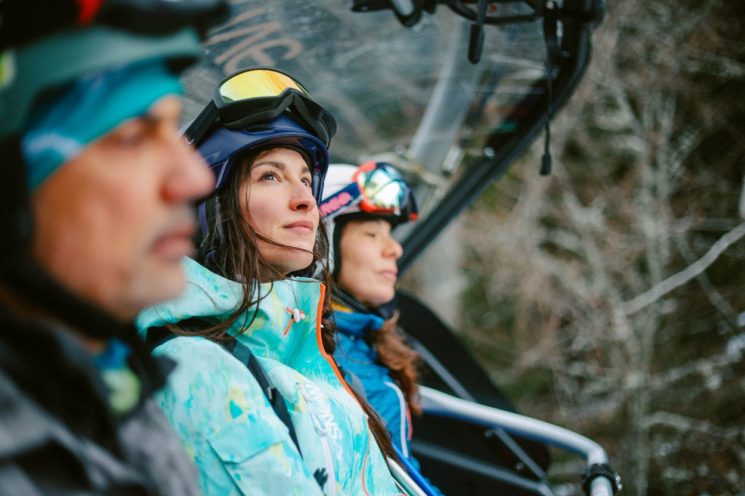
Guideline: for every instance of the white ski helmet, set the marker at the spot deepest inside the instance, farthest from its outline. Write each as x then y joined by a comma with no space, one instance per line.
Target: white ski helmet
371,190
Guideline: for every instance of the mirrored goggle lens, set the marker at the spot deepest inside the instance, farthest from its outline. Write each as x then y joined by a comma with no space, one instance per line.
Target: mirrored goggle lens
258,83
384,190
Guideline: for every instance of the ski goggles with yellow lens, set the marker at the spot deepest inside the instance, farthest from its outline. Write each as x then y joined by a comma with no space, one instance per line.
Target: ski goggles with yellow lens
377,189
258,95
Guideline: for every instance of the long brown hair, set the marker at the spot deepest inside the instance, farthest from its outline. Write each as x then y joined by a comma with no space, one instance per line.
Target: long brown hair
402,361
230,248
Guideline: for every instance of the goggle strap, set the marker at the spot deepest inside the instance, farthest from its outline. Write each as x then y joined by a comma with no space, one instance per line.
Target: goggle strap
334,204
198,129
235,112
293,101
254,118
317,185
310,118
412,207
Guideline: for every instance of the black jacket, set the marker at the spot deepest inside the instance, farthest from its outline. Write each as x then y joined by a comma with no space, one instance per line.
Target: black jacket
58,435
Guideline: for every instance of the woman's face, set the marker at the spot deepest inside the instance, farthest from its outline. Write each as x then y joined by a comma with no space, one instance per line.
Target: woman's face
368,261
278,203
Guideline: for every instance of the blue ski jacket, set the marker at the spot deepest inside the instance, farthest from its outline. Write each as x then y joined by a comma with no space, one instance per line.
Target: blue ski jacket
359,361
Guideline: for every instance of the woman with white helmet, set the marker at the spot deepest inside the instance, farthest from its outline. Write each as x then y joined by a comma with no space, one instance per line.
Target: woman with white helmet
258,400
361,207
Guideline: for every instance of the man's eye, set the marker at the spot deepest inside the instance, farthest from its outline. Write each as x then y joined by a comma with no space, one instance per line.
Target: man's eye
307,181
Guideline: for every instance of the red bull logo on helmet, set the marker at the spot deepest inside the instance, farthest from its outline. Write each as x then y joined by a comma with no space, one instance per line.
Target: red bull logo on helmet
335,203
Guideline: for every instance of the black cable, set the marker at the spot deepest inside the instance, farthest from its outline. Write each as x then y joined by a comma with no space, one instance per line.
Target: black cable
549,34
476,42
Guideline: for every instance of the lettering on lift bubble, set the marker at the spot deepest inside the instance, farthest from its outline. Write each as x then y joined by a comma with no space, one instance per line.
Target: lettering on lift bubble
249,42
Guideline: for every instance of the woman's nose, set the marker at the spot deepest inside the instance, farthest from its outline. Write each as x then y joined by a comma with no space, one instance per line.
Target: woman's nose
393,248
301,197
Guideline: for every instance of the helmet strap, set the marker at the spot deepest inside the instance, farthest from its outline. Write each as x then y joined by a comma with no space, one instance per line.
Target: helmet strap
211,234
339,225
15,213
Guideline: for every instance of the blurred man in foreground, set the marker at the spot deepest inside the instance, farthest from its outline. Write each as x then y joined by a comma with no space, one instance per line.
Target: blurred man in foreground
95,210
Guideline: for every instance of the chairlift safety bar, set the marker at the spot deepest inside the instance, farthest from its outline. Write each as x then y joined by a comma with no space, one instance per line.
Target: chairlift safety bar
440,404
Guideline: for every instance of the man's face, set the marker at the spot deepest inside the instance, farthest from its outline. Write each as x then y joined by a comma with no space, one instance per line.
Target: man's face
113,223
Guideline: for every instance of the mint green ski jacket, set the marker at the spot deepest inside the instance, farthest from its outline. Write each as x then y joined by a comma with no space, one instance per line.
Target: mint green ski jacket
224,420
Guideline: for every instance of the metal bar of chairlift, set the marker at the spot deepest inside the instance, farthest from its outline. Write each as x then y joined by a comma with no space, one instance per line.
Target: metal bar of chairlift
441,404
442,371
438,368
519,452
475,465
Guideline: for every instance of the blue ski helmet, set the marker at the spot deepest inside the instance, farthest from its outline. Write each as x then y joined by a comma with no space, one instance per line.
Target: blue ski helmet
226,147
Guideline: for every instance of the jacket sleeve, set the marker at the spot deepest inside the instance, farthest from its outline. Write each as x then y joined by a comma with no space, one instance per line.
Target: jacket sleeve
227,425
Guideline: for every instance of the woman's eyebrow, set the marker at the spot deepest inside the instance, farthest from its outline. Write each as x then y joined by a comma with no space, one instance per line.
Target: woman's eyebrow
280,165
270,163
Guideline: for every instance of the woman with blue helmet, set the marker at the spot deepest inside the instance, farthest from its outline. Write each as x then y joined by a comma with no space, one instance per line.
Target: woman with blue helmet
258,400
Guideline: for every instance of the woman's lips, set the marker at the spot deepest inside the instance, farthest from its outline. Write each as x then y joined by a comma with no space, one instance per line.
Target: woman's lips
301,227
389,274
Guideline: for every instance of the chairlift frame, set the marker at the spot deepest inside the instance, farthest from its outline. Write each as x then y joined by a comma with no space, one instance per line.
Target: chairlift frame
501,150
440,404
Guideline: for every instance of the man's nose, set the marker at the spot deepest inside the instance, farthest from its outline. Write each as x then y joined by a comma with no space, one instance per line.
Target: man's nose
190,177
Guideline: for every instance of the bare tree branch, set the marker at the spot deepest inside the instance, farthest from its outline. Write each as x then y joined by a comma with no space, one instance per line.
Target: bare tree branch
714,296
676,280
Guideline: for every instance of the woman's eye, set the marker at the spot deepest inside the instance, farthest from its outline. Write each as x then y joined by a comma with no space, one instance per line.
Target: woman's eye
269,176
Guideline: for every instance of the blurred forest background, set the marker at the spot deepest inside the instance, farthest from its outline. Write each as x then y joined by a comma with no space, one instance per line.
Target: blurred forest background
609,297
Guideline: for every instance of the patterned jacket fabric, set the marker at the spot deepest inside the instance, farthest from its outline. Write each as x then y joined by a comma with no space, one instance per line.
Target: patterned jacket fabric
226,423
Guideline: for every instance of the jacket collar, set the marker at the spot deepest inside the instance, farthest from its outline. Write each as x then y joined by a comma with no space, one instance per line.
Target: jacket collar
355,324
284,325
341,297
